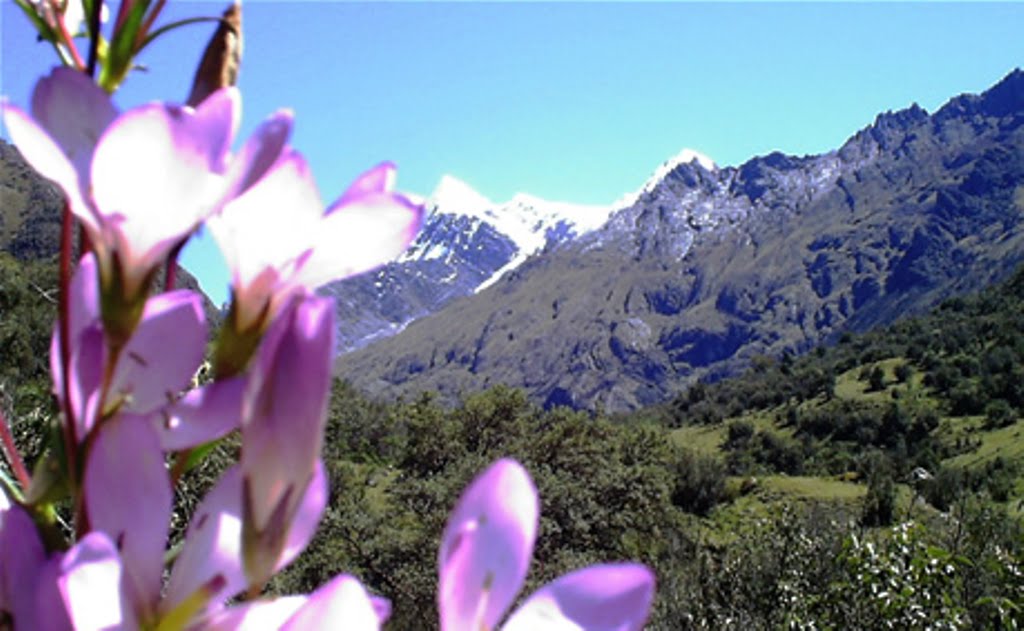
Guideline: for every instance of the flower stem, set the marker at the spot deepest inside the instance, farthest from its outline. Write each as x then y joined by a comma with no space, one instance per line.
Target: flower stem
94,37
65,35
140,37
171,273
13,457
64,322
84,242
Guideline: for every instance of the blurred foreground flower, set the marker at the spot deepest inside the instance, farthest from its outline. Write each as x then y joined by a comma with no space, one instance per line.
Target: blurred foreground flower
283,424
485,553
275,254
122,361
137,209
90,586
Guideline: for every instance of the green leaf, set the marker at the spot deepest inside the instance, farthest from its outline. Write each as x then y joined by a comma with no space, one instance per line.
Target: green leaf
122,47
197,455
10,487
173,25
44,29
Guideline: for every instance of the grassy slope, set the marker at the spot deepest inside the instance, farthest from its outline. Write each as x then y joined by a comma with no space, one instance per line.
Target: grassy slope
761,496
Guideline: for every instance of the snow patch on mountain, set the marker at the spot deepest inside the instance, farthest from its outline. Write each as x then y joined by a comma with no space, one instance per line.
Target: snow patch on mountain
529,222
468,242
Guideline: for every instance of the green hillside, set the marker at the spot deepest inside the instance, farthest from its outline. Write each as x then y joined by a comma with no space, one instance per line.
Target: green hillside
784,498
943,393
871,484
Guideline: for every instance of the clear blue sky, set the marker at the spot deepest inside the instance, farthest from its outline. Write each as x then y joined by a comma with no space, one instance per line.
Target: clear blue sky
570,101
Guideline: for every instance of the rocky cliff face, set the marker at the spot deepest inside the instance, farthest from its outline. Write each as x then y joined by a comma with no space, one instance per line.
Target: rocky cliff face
710,267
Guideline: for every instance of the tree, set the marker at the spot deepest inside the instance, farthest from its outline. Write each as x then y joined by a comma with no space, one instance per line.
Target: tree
999,413
876,379
880,502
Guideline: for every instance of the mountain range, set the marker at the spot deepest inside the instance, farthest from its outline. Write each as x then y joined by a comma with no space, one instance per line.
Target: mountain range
699,271
691,276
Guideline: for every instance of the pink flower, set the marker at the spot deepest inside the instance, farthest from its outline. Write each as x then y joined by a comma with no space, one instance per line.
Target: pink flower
77,589
485,553
210,568
140,182
278,240
111,578
128,501
340,604
148,374
283,422
23,558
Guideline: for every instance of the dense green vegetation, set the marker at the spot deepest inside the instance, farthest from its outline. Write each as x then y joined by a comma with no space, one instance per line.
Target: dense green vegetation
27,309
944,393
873,484
729,551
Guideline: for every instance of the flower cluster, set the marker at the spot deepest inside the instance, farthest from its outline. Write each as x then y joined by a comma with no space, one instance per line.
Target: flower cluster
140,182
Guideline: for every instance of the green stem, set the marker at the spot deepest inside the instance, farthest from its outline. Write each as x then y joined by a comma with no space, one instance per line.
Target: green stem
94,37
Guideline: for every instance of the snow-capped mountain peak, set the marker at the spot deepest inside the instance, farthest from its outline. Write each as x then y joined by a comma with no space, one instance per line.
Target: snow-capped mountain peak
528,221
686,156
452,193
468,243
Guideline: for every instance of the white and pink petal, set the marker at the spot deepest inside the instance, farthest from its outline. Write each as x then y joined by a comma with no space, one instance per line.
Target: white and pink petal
89,581
260,615
610,597
360,236
272,224
202,415
210,564
74,111
151,372
379,179
486,547
48,158
343,603
259,153
211,557
128,496
150,205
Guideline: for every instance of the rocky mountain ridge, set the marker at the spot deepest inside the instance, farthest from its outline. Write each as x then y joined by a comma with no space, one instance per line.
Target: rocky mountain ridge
468,243
713,266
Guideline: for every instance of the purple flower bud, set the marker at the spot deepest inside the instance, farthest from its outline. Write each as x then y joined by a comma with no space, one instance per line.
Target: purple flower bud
282,425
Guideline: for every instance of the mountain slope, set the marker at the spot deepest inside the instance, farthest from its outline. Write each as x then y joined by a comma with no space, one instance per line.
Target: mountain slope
467,243
710,267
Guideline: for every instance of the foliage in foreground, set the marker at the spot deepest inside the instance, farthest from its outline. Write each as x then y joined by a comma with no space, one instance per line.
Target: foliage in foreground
616,490
625,491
